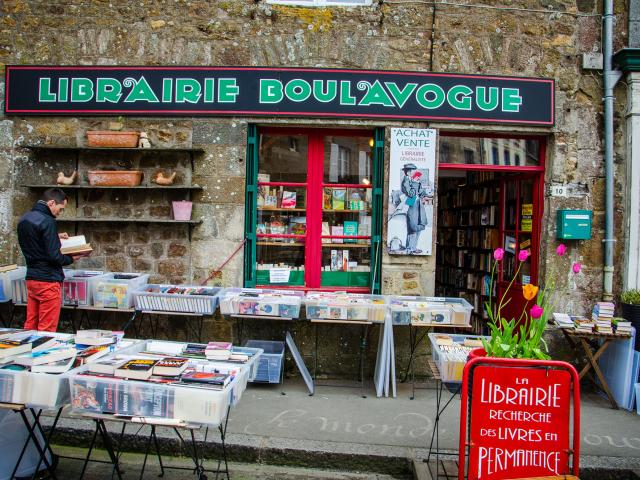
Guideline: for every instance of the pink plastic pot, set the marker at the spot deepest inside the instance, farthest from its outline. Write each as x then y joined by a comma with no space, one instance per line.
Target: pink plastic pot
182,210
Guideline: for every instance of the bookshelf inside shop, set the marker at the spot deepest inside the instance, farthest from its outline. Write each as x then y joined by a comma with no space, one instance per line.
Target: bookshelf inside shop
478,213
468,231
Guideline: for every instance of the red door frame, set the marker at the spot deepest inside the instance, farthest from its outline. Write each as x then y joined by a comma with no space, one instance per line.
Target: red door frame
536,172
314,208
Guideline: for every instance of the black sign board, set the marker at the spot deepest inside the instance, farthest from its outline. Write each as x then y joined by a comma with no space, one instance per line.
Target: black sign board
293,92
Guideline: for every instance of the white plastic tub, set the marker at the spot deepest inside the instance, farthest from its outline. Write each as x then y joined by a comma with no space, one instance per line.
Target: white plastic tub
113,291
177,298
345,306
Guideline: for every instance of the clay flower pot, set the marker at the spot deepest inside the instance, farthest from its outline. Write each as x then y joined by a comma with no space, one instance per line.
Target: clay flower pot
115,178
107,138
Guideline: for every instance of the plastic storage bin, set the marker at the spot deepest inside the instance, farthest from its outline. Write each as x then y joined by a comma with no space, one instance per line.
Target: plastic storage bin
428,311
271,361
38,390
6,283
78,285
451,360
115,290
345,306
637,386
261,302
177,298
191,404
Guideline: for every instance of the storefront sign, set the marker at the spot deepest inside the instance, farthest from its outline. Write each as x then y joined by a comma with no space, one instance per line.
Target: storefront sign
411,190
298,92
519,422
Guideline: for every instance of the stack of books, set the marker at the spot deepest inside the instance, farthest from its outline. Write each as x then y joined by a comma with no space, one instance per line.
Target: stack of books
602,315
584,325
218,351
622,326
563,320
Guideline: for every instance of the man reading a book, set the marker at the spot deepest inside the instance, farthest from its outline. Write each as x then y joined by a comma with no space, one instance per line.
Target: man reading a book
40,244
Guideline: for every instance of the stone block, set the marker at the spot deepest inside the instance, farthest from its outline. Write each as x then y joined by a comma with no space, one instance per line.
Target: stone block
171,268
141,265
177,250
117,264
157,250
221,190
220,132
135,251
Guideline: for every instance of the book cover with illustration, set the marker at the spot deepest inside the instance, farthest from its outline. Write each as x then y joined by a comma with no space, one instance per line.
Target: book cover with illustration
338,198
111,295
326,231
327,197
74,292
138,368
350,228
288,199
337,231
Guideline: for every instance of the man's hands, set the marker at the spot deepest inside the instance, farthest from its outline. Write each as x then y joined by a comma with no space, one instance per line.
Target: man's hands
63,236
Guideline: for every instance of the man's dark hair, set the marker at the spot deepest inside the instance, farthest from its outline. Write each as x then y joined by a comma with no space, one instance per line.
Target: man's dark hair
54,194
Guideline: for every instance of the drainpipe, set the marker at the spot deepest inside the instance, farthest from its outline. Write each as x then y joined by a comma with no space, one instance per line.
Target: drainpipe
609,82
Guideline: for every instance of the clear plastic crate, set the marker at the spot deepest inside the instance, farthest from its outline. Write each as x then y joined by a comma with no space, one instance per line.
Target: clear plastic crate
113,291
451,360
6,283
345,306
271,361
38,390
191,404
177,298
429,311
261,302
78,286
243,371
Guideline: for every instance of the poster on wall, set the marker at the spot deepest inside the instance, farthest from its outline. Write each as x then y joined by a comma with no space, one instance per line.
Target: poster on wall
411,191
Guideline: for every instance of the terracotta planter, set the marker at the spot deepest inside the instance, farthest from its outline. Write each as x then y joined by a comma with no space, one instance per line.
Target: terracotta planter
115,178
106,138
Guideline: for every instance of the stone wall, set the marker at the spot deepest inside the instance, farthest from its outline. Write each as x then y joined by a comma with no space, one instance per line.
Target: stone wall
542,38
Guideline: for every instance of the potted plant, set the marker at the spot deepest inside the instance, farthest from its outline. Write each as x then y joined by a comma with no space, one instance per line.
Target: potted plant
520,337
630,303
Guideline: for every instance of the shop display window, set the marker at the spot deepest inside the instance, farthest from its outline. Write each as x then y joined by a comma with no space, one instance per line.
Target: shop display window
317,199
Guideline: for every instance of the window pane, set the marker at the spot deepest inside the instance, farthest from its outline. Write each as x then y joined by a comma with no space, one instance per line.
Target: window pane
283,158
347,160
489,151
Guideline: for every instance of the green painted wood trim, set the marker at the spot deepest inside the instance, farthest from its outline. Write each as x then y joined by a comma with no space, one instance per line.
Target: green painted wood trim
627,59
251,207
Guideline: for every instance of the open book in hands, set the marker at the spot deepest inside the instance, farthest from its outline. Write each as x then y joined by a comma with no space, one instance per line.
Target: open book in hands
75,246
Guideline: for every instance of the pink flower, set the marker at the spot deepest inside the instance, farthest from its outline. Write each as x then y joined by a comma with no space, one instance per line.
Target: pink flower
536,311
498,254
561,250
577,267
523,255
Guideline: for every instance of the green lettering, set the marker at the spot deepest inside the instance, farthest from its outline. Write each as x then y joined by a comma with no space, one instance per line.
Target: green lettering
187,90
511,100
108,90
481,98
297,90
63,89
167,89
430,88
325,96
140,91
209,89
376,95
44,91
345,93
81,89
228,90
401,96
270,90
458,97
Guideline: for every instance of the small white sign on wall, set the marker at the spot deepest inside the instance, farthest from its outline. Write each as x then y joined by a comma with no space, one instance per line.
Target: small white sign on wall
279,275
411,191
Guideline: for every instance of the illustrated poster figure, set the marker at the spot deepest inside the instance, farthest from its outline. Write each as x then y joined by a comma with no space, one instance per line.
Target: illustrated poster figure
412,187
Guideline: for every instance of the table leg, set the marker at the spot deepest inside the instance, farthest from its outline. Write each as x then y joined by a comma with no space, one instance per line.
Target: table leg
47,438
363,349
131,321
315,352
593,361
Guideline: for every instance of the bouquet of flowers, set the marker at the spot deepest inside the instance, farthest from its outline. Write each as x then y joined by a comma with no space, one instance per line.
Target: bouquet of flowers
522,337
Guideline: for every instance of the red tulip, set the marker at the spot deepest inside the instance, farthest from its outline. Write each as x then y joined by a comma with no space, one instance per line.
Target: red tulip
561,249
536,311
498,254
577,267
523,255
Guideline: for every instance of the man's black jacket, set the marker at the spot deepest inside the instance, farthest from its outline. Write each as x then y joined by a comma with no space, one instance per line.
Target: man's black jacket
38,238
